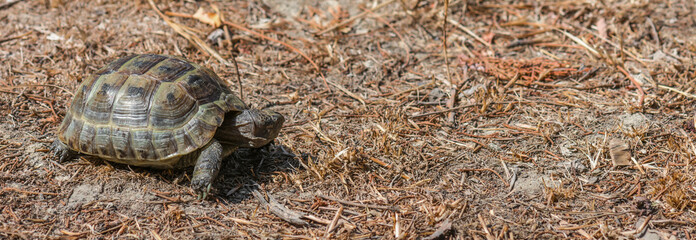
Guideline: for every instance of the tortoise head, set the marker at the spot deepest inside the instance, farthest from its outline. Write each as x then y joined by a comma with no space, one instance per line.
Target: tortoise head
250,128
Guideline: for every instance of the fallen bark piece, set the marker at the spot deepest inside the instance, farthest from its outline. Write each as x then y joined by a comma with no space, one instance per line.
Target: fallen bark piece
441,230
280,210
619,152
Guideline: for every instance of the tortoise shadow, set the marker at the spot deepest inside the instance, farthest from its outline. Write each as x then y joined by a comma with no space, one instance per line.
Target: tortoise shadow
246,168
240,173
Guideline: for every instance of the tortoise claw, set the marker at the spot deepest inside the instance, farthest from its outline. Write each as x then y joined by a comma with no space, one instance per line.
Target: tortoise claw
62,152
202,194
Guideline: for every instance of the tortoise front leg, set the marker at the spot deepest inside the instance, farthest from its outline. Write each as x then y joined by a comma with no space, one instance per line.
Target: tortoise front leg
61,151
207,168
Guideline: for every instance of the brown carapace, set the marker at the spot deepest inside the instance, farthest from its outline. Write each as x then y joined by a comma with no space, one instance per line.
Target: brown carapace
163,112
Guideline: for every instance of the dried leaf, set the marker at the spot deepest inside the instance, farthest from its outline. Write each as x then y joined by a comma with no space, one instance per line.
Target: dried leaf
54,37
212,19
55,3
602,27
619,152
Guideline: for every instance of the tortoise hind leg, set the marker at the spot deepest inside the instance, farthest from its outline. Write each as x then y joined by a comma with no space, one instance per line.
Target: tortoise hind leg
61,151
207,168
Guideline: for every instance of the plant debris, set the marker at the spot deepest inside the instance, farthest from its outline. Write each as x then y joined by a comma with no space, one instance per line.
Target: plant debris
412,119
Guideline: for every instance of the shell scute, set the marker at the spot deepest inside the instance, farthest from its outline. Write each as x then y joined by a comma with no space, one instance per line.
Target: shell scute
171,108
169,70
102,141
120,139
71,135
132,105
164,143
141,64
202,87
142,144
99,102
113,66
87,137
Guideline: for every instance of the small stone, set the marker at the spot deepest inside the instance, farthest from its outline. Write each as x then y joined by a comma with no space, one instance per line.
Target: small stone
636,121
436,95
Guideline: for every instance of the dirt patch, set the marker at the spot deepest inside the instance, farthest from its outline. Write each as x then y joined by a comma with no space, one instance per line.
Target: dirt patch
83,194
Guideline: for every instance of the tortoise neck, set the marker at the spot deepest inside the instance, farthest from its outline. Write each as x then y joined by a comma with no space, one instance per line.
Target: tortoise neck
227,149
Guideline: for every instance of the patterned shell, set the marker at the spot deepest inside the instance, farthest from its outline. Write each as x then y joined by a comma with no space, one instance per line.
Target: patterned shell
147,110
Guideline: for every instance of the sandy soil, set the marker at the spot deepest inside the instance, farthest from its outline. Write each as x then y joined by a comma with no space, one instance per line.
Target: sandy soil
550,119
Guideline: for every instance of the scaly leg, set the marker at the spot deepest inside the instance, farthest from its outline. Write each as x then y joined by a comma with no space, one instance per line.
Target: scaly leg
207,168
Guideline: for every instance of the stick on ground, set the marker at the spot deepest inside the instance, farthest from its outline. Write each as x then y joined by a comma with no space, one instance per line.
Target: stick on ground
279,210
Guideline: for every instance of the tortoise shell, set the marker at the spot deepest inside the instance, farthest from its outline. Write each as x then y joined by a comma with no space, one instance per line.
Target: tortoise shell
147,110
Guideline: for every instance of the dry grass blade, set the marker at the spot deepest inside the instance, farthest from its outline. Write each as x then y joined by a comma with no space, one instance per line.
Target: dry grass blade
334,221
14,37
391,208
186,33
242,221
11,189
317,219
624,51
9,3
453,90
446,110
468,31
37,85
582,43
487,170
484,225
348,92
686,94
363,14
641,92
154,233
239,77
294,49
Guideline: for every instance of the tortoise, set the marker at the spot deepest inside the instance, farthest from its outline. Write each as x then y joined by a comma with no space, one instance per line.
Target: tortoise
162,112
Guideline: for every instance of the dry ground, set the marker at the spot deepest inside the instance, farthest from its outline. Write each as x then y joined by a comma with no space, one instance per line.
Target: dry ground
533,124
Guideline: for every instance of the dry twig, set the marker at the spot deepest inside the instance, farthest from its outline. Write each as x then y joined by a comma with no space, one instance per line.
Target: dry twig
441,230
189,35
294,49
14,37
391,208
468,31
279,210
641,92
